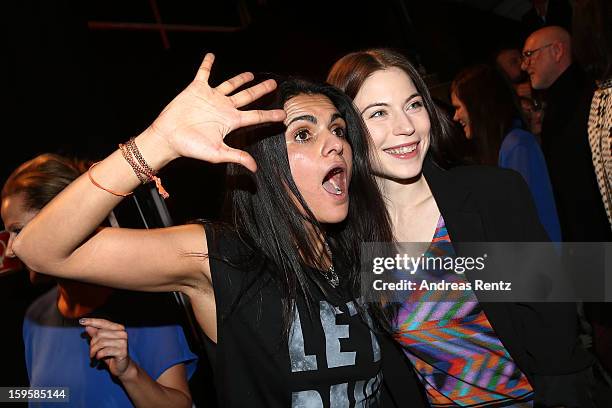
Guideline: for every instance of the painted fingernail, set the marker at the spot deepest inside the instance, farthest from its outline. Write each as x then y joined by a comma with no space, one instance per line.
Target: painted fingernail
82,321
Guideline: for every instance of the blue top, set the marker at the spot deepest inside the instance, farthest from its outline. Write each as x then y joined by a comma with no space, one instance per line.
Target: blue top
57,350
521,152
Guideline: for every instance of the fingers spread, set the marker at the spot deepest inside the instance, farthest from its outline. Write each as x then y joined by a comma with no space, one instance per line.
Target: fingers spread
204,71
241,157
255,92
255,117
234,83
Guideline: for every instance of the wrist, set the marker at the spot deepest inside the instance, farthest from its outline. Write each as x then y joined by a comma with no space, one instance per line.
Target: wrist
130,374
155,148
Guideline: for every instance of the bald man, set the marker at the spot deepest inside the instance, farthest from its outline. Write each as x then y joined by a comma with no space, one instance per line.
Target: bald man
547,59
546,55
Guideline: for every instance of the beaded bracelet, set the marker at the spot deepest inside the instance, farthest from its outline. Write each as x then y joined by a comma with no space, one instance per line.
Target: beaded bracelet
143,171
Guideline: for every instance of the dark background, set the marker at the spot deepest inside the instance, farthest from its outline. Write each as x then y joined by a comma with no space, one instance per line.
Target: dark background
78,77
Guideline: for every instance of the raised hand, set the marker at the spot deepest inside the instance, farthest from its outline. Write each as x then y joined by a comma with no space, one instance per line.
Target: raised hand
109,343
196,122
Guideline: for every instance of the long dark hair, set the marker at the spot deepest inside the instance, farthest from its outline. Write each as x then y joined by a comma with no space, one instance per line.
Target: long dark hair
592,36
351,71
491,108
42,178
268,219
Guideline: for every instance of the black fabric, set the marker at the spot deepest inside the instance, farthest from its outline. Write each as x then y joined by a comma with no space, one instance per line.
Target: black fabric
336,364
488,204
566,147
401,387
565,144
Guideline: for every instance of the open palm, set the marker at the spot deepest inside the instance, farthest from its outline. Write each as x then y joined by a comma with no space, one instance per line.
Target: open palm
196,122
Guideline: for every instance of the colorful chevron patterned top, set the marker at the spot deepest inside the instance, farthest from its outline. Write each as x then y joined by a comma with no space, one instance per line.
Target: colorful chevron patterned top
455,351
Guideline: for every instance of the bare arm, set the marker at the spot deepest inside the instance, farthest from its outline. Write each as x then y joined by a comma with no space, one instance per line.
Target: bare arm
170,390
109,342
194,125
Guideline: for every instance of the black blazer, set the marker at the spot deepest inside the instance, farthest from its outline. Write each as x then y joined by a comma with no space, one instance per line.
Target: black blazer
489,204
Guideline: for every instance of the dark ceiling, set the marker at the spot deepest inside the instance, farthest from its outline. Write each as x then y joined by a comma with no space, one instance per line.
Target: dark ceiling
511,9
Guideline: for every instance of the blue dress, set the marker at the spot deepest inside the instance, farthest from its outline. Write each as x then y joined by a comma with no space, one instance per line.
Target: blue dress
57,351
521,152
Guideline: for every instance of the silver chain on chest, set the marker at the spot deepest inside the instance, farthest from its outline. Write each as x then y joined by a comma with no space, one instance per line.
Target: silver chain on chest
330,275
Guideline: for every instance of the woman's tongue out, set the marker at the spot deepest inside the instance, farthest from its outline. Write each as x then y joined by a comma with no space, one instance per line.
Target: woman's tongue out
334,183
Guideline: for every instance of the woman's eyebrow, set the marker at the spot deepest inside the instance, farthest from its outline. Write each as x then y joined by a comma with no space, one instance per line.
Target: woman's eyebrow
372,105
414,95
309,118
335,116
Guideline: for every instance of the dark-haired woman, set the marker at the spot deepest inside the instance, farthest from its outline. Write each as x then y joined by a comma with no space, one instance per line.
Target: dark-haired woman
277,288
464,352
134,335
485,109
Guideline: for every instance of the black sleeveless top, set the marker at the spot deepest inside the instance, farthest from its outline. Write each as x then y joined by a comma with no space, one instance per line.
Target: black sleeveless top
331,357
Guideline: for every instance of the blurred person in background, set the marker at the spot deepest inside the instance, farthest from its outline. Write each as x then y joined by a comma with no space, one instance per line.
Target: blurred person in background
487,111
508,61
134,335
547,59
592,40
533,117
592,44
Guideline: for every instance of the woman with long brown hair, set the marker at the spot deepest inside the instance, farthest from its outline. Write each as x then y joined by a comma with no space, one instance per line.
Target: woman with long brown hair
464,352
486,110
